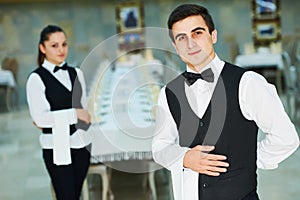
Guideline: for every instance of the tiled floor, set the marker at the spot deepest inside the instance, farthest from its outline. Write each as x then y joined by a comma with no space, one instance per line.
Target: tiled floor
23,175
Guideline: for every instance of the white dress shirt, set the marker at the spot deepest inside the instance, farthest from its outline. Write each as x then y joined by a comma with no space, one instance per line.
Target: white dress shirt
39,107
258,101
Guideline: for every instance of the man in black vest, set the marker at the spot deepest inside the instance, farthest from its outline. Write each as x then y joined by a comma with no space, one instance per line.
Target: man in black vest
208,118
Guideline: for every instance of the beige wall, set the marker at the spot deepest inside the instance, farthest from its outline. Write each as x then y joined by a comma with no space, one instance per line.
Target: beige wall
88,23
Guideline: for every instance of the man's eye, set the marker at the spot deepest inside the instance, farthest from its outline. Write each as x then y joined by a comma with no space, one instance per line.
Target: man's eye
198,33
181,38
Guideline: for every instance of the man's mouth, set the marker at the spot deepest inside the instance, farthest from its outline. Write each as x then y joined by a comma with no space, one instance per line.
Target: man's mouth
194,52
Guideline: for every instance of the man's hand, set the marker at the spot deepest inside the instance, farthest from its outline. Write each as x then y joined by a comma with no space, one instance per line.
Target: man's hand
198,159
83,115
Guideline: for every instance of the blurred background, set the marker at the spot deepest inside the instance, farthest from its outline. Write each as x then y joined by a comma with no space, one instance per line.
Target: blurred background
263,35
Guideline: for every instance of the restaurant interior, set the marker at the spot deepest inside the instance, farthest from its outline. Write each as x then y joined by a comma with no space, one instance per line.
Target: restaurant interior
125,63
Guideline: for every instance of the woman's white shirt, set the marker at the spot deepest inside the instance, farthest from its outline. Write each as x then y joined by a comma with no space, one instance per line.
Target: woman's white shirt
39,107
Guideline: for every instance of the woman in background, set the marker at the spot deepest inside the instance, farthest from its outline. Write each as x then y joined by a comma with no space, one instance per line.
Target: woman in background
56,97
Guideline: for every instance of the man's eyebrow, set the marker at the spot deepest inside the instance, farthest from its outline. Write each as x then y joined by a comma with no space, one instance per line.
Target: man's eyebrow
198,28
194,30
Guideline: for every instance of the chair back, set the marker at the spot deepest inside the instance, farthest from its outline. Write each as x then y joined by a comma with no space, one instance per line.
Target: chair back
12,65
289,72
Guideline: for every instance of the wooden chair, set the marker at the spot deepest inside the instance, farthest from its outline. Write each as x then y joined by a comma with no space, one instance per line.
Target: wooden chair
292,87
12,65
105,174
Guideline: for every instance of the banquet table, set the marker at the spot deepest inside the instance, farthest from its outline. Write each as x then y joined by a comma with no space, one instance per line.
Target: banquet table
7,84
263,62
123,117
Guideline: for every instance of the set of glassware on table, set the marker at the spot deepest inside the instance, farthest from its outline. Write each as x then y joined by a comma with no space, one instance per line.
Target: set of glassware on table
273,48
123,111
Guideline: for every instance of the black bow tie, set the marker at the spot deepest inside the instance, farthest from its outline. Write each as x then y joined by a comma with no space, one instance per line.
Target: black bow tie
64,67
206,75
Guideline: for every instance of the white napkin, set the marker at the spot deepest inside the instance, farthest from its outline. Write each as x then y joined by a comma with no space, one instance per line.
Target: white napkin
61,139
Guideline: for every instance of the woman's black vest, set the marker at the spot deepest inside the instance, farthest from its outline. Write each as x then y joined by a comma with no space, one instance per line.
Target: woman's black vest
59,97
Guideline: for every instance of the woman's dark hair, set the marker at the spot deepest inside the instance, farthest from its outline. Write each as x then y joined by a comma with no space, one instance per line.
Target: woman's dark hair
46,32
186,10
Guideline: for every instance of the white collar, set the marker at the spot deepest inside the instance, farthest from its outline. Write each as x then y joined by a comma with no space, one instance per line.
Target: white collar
216,65
50,66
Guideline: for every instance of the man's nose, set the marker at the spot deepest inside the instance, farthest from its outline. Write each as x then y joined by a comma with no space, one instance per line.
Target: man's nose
190,42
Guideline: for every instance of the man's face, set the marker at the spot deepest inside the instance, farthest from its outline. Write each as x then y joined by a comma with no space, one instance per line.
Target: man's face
193,42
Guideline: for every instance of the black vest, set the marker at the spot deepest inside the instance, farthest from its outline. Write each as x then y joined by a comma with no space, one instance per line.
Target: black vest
224,126
59,97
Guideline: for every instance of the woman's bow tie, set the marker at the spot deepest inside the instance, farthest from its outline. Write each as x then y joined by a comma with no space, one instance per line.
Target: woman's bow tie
64,67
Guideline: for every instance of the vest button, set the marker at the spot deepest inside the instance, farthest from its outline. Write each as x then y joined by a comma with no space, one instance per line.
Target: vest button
201,123
205,185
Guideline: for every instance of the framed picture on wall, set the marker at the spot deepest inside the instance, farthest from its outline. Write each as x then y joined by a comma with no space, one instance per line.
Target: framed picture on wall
265,9
266,31
130,24
129,18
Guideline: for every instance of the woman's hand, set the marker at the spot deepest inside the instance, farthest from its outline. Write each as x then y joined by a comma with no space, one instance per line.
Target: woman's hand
83,115
37,126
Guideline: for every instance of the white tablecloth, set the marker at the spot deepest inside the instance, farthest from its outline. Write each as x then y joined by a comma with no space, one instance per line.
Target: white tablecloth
123,113
259,60
7,78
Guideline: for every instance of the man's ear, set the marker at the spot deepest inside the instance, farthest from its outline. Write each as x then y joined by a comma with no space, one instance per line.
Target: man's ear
42,48
174,45
214,37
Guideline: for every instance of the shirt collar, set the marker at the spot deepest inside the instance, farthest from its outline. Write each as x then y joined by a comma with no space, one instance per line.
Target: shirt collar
216,65
50,66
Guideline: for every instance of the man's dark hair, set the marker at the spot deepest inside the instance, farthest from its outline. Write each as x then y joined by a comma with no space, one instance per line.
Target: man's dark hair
186,10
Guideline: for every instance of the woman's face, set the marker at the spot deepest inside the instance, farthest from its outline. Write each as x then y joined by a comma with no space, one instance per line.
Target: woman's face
55,48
